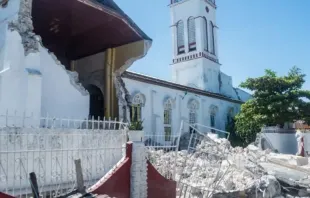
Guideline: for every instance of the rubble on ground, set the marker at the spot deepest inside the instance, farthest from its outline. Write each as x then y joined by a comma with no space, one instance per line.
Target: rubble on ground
215,168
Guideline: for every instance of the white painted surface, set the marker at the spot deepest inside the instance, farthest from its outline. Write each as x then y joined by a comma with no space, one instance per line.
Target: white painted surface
136,136
195,8
286,142
59,97
138,171
91,70
50,153
46,88
200,73
152,113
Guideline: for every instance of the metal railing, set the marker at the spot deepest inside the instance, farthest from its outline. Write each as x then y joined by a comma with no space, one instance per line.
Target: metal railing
15,119
158,145
216,164
50,153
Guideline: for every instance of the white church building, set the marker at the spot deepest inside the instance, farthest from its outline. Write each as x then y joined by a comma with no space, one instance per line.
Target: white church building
35,82
199,92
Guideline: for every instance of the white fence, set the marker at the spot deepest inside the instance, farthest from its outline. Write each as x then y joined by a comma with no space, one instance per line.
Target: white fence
163,151
50,153
159,145
15,119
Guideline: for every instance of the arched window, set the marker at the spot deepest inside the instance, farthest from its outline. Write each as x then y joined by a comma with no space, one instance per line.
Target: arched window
191,34
212,38
206,43
138,101
193,106
180,37
213,111
230,114
168,118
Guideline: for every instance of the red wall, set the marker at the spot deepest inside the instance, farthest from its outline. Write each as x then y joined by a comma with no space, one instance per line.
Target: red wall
118,183
158,186
2,195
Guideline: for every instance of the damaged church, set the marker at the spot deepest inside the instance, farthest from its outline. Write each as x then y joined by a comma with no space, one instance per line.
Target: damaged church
64,58
69,59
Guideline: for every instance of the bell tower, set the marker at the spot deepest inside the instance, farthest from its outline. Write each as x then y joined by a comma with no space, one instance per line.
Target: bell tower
195,53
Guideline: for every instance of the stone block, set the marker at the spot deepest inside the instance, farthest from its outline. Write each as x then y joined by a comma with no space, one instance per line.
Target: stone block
301,161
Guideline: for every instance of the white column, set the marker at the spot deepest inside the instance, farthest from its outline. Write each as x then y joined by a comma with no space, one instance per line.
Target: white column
138,171
215,42
153,126
199,34
186,36
174,41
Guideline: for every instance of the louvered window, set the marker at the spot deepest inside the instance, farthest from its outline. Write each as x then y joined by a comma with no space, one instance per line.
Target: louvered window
180,37
212,38
191,34
206,44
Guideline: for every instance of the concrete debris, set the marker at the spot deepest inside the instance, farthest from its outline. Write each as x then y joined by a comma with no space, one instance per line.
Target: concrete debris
88,195
217,169
24,26
123,95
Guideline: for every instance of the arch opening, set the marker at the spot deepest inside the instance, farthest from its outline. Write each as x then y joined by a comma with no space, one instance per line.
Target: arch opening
96,102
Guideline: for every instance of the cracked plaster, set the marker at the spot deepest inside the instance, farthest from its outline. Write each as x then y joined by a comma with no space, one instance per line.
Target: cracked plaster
122,92
31,42
24,26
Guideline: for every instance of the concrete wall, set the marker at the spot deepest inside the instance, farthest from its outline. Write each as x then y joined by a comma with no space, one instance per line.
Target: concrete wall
155,96
50,153
201,72
35,84
116,183
61,95
126,178
195,8
226,85
91,70
244,96
166,189
286,142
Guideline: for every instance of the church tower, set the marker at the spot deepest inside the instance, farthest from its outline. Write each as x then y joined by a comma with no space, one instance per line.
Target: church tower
195,52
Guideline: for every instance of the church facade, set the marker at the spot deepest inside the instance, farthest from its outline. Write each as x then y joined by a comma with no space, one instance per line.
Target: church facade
52,66
199,92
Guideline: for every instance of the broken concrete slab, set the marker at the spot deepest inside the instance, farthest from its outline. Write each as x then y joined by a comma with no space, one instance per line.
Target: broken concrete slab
229,172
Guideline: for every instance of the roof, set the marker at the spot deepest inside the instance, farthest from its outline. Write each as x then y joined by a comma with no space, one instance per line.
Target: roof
113,6
163,83
73,29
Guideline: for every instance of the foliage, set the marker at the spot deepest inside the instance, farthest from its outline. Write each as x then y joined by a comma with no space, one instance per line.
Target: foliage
234,138
136,125
276,100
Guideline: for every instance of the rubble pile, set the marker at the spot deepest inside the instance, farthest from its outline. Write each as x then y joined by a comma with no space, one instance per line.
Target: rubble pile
215,168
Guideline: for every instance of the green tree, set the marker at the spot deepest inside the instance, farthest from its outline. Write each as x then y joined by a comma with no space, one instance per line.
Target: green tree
234,138
276,100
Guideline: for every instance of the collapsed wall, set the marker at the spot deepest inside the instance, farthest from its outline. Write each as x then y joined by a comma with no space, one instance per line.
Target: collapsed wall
215,168
41,82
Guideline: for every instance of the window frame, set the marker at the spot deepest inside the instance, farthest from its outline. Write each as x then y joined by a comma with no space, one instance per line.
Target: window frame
212,122
167,120
191,34
206,36
136,112
179,34
138,101
212,39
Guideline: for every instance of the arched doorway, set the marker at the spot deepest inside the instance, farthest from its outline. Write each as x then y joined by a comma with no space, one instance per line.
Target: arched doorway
96,102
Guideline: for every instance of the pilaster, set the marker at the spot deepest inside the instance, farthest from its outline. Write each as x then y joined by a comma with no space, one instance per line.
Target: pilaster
138,171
